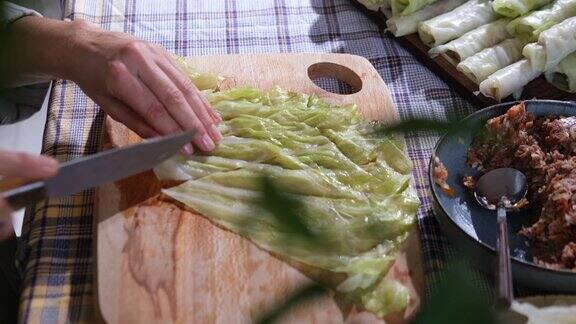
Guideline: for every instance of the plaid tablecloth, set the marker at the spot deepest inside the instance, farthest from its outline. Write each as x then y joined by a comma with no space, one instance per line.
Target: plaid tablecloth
56,259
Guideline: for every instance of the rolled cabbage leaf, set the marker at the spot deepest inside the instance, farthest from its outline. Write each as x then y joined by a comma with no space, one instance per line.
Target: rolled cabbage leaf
453,24
353,183
529,26
473,41
486,62
515,8
509,80
406,7
553,45
563,75
408,24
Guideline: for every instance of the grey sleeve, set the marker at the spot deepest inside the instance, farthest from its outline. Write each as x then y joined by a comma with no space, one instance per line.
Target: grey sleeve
20,103
13,12
48,8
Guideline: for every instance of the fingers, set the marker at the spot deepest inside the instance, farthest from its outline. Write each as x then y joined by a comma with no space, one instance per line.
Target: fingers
196,101
139,86
215,117
174,71
177,104
6,229
128,89
121,113
26,166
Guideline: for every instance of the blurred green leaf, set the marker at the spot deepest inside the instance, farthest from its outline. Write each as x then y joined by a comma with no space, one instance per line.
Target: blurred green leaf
302,295
457,299
418,125
287,210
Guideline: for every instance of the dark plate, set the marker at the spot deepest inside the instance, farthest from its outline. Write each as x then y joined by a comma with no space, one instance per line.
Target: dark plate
472,228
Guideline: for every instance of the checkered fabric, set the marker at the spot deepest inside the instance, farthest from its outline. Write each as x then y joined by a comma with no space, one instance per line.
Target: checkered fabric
56,260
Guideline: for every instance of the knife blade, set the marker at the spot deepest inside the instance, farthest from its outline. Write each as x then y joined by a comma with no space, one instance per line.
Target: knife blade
97,169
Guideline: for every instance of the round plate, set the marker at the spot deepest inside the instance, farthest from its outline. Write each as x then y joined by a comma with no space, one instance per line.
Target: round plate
473,228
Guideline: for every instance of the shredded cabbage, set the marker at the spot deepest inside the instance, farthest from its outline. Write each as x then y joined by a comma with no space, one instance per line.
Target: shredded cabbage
352,182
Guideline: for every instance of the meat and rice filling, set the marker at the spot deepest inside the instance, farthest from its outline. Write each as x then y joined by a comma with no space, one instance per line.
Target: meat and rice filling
545,150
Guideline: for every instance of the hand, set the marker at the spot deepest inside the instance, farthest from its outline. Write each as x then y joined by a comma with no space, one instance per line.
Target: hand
26,167
139,84
135,82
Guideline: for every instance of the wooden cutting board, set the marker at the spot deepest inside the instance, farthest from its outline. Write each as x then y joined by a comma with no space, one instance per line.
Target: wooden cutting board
158,262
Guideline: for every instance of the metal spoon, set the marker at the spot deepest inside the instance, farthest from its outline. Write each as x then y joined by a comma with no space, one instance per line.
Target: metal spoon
502,189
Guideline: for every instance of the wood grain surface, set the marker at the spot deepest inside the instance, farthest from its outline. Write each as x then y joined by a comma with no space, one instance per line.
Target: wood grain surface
538,88
159,262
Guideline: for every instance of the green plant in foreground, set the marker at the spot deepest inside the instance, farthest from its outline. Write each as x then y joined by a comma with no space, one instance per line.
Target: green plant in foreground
423,125
287,211
455,299
303,294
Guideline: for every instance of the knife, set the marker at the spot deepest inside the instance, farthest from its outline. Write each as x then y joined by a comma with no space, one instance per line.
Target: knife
94,170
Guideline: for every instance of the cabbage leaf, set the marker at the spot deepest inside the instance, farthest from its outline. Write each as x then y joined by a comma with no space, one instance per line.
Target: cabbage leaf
353,184
515,8
529,26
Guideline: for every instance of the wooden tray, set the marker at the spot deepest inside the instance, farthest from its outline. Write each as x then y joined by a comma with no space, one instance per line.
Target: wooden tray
157,262
538,88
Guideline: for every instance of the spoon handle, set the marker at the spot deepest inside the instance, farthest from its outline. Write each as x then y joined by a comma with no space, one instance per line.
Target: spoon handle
504,294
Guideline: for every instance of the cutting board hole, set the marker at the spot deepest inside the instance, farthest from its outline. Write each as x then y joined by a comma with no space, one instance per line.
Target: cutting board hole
335,78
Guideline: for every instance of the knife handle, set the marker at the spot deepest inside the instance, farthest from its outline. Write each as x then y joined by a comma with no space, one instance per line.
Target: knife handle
25,195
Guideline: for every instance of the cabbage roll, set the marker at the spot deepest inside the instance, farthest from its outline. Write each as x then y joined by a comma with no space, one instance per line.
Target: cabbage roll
473,41
481,65
529,27
563,75
515,8
553,45
509,80
408,24
406,7
453,24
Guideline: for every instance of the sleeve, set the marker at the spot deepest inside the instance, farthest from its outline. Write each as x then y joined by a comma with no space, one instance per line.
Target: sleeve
19,103
13,12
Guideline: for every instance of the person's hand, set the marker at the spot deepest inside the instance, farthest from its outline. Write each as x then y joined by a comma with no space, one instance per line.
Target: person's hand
135,82
139,84
25,167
